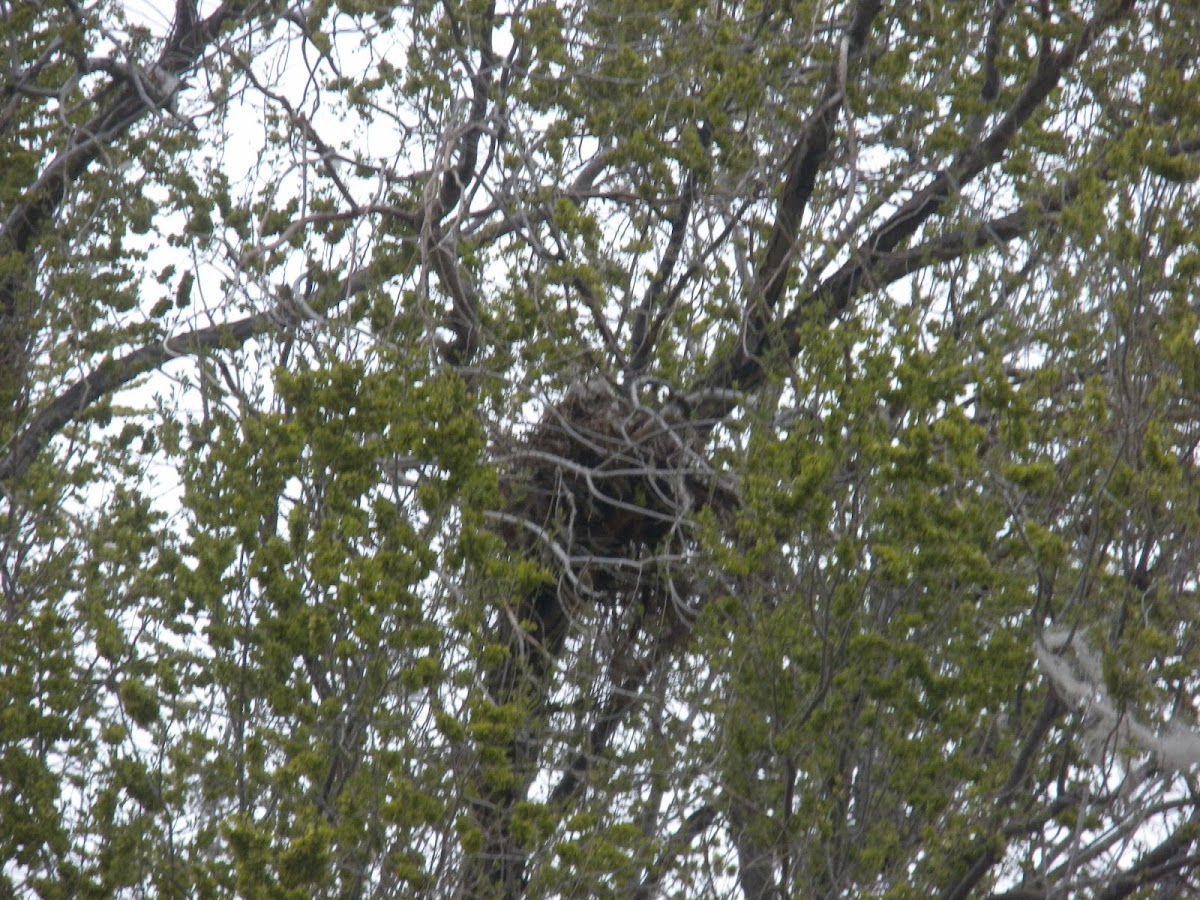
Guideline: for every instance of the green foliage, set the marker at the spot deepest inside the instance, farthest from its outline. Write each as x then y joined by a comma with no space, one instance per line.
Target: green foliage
598,449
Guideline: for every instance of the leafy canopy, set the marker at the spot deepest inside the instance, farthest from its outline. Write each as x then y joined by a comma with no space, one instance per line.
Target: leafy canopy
599,449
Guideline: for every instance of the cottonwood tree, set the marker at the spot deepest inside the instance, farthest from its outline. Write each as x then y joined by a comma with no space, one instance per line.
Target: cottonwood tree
599,449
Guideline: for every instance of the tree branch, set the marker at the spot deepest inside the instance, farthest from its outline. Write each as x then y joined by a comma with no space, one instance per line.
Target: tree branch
803,164
1171,855
114,374
743,367
129,96
132,102
455,181
641,342
1052,709
464,319
693,826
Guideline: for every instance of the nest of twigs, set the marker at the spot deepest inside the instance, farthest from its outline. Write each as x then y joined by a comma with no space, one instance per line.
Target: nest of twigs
601,491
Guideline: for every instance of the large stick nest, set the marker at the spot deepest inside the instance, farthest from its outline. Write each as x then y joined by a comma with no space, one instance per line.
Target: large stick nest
601,490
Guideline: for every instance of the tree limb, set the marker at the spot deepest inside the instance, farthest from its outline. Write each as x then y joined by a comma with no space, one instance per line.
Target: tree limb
641,342
803,164
113,374
743,367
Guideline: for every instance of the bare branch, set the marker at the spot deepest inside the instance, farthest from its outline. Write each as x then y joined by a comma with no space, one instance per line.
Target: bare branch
456,180
743,366
114,374
804,163
641,341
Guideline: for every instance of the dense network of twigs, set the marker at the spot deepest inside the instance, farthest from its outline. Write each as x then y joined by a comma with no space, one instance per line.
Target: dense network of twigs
603,490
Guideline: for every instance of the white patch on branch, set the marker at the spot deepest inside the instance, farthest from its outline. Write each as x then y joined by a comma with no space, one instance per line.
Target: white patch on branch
1073,668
